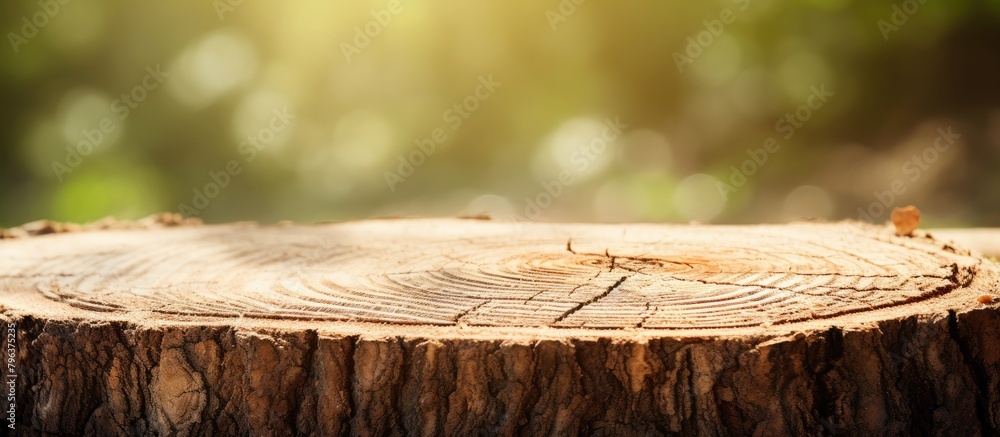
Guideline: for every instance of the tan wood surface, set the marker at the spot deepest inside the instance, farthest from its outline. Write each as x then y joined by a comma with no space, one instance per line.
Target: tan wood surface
457,327
983,240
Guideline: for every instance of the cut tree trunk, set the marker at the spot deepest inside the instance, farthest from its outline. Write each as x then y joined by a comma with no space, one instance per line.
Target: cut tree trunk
468,327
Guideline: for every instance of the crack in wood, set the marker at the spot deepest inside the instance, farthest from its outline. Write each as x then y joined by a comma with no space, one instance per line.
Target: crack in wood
442,271
590,301
458,318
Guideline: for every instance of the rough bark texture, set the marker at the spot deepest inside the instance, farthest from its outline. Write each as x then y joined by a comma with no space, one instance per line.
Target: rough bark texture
808,329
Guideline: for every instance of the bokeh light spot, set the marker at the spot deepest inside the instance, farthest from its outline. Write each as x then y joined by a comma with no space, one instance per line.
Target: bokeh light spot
617,201
720,62
647,149
581,145
697,198
362,140
210,67
808,201
82,112
256,112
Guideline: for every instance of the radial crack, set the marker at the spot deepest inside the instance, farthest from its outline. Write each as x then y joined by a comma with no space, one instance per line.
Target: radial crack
583,284
646,314
580,305
458,318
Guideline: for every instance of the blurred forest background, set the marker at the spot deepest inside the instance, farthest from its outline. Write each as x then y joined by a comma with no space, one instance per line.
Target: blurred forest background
697,84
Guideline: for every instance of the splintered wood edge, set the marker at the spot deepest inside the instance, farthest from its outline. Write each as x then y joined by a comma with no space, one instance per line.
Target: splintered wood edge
577,281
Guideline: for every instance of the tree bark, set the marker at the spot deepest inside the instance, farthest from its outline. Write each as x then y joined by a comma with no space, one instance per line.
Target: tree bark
462,327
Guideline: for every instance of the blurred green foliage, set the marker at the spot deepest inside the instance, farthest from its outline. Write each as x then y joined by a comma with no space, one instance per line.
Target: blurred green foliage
365,80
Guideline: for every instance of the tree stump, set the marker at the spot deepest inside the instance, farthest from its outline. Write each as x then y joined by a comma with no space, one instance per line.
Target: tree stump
469,327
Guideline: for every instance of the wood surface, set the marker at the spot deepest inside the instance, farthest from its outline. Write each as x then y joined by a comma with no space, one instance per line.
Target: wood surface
983,240
458,327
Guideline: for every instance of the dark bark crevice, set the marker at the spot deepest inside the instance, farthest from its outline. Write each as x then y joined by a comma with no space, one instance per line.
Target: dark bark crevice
976,370
806,384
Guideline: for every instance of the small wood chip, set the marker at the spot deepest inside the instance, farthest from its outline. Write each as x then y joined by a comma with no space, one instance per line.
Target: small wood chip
906,219
986,299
